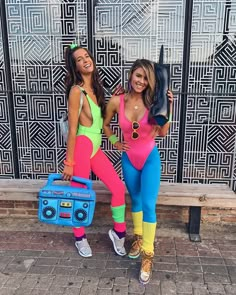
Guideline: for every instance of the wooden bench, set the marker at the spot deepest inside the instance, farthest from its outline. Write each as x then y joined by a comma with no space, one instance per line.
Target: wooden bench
194,196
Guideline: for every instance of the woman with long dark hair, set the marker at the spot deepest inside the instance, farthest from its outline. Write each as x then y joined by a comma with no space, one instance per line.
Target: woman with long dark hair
84,139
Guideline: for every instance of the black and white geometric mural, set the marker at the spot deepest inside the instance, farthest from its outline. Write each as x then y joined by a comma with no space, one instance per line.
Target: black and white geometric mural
6,152
128,30
118,32
210,149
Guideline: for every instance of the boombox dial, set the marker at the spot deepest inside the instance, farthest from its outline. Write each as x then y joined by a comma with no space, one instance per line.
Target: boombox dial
49,212
80,214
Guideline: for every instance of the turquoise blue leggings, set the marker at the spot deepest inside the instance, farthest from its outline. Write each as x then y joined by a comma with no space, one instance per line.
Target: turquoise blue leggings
143,185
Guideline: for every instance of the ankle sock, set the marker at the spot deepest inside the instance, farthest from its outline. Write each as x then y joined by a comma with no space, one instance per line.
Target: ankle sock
80,238
120,234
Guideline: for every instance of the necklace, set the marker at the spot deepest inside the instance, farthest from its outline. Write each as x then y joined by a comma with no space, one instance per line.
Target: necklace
136,107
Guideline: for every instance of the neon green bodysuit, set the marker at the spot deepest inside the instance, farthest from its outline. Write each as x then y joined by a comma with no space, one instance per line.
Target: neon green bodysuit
94,132
89,156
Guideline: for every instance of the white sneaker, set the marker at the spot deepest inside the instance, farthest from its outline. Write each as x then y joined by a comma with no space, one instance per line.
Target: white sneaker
83,248
118,243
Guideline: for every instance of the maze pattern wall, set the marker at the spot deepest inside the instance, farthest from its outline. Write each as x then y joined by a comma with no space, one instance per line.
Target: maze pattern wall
127,30
122,31
38,32
6,155
209,155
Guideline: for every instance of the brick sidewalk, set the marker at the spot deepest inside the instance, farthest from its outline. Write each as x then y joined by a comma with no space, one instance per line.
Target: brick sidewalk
47,263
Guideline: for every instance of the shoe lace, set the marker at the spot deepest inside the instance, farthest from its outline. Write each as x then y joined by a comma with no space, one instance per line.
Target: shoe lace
120,243
147,263
83,244
136,244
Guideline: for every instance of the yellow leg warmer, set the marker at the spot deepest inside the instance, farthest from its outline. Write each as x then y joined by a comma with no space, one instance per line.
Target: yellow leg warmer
138,222
149,231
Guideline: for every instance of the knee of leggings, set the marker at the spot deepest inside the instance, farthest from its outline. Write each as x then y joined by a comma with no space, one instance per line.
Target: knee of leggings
118,188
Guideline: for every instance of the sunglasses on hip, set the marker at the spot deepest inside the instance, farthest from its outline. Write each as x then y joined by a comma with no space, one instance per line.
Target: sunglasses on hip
135,127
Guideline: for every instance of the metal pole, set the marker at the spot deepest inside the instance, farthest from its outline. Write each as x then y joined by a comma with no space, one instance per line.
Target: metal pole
184,87
228,4
90,22
10,98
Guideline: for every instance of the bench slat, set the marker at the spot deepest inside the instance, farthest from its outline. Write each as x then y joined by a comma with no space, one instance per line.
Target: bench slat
35,184
176,194
175,200
202,198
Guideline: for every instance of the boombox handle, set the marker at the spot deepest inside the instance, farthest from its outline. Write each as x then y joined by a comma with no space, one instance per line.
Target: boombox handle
55,176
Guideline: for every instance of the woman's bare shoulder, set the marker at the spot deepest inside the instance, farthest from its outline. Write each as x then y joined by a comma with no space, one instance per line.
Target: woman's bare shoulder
113,104
115,100
75,89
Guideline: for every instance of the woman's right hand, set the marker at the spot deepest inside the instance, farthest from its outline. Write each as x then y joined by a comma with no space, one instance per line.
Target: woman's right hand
121,146
67,172
118,90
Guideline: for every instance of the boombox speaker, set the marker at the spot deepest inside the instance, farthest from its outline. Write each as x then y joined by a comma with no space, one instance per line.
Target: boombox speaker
66,205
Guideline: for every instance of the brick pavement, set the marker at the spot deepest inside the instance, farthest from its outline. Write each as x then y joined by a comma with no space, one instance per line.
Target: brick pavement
46,262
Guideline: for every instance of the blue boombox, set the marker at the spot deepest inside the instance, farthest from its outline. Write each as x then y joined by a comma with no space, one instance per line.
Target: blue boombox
66,205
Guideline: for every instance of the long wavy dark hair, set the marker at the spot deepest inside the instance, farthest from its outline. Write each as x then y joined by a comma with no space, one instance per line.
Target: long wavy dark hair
73,77
148,93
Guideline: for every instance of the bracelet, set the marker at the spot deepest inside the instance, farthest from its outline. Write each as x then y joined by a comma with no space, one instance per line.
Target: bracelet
113,139
170,117
70,164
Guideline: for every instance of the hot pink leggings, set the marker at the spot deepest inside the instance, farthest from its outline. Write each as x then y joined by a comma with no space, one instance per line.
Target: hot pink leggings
103,168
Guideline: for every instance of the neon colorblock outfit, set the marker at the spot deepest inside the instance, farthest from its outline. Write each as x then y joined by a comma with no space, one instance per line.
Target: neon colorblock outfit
89,156
141,166
94,131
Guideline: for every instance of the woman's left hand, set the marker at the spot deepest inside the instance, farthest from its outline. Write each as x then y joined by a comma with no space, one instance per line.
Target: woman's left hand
170,96
155,131
122,146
